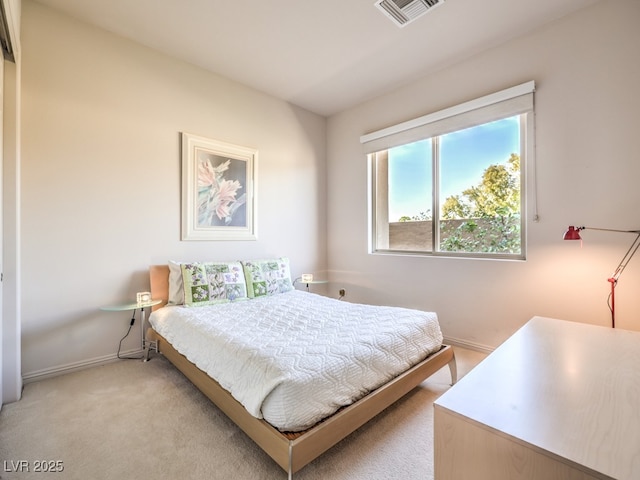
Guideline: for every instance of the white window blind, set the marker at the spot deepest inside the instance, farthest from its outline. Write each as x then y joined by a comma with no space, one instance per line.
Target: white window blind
505,103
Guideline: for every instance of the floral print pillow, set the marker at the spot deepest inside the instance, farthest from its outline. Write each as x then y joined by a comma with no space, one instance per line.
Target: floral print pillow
211,283
267,277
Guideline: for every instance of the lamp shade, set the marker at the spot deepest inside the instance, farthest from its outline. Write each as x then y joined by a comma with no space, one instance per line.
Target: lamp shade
572,233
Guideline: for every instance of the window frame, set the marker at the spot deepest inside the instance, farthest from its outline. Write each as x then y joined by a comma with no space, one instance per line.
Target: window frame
412,130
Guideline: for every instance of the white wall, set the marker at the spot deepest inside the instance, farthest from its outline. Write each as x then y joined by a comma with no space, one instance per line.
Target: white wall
100,127
101,180
587,74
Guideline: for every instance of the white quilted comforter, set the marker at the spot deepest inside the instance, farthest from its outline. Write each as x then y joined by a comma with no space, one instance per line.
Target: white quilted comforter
296,358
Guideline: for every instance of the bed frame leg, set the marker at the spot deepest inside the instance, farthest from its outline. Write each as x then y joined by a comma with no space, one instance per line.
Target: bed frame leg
453,368
290,469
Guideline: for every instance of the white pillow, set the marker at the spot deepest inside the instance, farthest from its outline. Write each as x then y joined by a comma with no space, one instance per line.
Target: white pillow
176,286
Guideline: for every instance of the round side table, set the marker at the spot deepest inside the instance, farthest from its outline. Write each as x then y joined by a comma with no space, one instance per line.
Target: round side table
312,282
134,306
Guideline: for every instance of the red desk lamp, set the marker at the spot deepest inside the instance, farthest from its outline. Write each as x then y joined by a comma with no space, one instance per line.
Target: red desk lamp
573,233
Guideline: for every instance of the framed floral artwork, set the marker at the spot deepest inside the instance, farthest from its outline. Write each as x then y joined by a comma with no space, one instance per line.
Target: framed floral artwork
218,190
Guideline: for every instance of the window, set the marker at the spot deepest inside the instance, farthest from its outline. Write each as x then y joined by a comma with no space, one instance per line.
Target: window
453,182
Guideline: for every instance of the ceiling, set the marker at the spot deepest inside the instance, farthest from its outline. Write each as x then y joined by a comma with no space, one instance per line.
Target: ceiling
323,55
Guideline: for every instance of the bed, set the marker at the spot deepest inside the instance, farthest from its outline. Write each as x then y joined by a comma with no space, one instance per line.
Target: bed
294,445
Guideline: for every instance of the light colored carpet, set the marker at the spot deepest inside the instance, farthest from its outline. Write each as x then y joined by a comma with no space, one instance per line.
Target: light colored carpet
129,420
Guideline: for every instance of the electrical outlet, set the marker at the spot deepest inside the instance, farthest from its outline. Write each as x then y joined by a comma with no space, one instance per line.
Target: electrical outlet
342,292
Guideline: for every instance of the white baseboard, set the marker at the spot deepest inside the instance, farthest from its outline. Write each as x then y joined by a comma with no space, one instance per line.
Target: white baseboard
76,366
466,344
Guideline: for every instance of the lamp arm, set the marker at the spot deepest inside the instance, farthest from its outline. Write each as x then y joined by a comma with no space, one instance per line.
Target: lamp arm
637,232
627,256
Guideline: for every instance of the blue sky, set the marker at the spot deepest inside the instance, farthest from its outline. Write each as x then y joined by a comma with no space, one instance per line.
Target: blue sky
464,155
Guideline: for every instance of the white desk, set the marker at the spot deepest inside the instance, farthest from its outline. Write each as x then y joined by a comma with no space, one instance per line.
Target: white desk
558,400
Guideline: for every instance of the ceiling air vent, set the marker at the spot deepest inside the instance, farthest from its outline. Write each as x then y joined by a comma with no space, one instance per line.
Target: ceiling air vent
403,12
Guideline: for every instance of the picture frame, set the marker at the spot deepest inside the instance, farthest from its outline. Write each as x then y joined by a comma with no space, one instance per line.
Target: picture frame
218,190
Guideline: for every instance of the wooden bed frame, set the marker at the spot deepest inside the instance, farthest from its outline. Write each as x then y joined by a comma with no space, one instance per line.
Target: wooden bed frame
292,451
